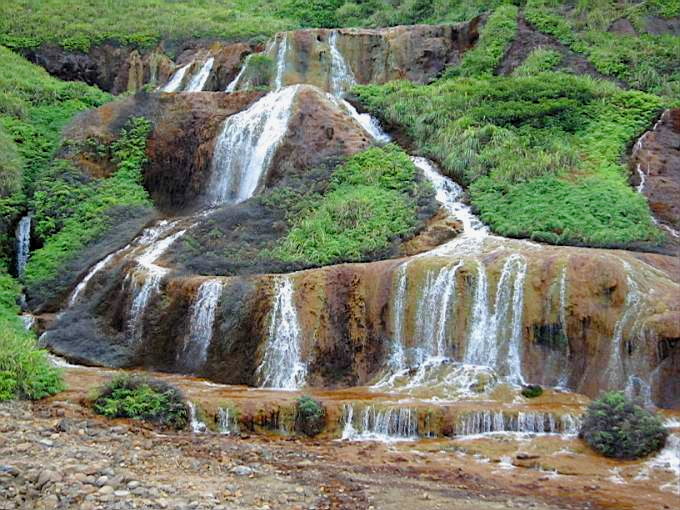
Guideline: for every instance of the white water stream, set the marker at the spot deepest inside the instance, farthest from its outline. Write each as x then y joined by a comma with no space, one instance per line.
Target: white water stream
23,244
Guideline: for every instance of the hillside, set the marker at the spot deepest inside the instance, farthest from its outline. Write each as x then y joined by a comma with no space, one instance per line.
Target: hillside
375,220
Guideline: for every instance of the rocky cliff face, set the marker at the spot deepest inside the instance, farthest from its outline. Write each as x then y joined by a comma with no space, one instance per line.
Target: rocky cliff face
655,165
451,321
119,69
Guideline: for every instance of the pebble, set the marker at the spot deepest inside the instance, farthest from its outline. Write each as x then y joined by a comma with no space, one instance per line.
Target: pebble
107,489
242,471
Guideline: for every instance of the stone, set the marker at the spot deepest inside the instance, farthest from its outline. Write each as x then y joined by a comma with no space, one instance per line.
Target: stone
105,490
242,471
6,469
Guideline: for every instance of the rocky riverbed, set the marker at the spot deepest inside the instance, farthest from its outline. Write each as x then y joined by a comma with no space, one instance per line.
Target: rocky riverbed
57,454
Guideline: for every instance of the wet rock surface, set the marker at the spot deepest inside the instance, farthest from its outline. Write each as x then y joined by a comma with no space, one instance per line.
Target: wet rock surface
655,170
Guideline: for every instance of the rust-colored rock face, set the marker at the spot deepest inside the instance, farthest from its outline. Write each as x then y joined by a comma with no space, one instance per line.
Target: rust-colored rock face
418,53
119,69
181,144
655,166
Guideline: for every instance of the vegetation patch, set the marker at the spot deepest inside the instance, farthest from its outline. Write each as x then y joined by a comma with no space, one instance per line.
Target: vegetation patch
644,61
81,213
34,107
615,427
539,61
25,371
542,155
142,398
495,38
310,416
371,202
532,391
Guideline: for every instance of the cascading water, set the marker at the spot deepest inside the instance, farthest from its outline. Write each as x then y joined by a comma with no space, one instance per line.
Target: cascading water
144,282
194,353
495,338
391,424
281,53
247,144
23,243
341,77
233,85
227,422
281,365
631,308
489,422
196,425
175,82
564,377
198,81
449,195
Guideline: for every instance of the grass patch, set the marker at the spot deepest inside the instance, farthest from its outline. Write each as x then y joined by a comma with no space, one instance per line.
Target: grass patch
495,37
542,155
646,62
141,398
370,203
84,207
77,25
25,371
539,61
615,427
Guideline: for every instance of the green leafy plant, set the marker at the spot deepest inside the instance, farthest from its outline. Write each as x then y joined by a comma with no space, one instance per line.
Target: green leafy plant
538,61
25,371
310,416
532,391
79,214
615,427
142,398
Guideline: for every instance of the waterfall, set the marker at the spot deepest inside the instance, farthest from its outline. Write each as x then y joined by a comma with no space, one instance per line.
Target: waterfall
150,276
176,81
490,343
397,360
489,422
281,53
564,377
391,424
449,194
281,365
148,236
667,461
247,144
235,82
196,425
227,422
641,186
197,81
631,307
432,315
194,352
23,242
341,77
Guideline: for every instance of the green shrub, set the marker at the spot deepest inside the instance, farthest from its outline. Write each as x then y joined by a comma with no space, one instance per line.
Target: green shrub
311,13
532,391
141,398
258,73
25,371
310,416
615,427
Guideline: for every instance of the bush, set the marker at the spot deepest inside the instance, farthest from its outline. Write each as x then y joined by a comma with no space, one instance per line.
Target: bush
615,427
532,391
25,371
310,416
141,398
